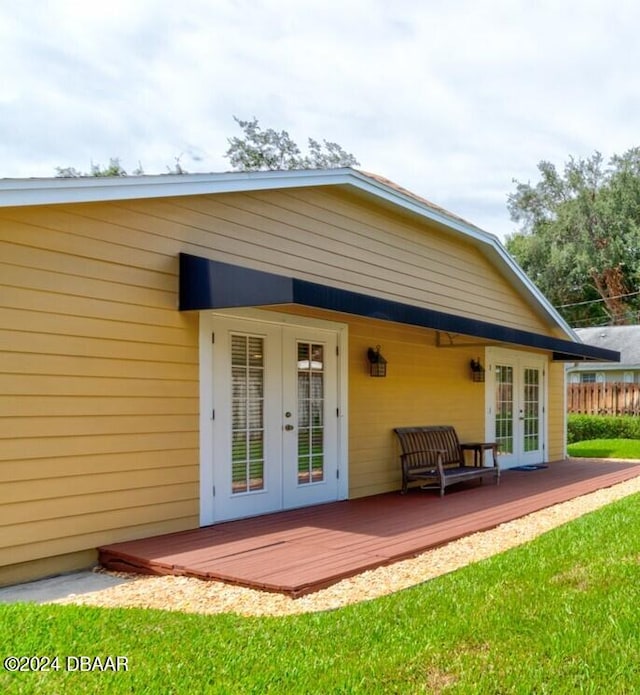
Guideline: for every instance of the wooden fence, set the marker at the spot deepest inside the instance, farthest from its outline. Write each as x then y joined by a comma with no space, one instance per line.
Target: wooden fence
615,398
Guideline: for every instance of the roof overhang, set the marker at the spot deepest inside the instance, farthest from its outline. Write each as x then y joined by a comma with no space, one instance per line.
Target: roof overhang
207,284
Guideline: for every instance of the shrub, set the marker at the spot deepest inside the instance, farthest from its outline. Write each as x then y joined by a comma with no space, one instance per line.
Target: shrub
581,428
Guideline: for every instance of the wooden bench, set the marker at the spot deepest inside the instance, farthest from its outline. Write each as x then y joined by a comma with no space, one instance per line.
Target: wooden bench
434,456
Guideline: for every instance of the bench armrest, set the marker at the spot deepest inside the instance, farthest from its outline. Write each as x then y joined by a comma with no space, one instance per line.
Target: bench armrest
437,464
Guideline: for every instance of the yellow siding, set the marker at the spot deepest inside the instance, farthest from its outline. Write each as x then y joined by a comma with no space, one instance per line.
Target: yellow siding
25,571
425,385
320,235
99,371
557,410
98,391
391,255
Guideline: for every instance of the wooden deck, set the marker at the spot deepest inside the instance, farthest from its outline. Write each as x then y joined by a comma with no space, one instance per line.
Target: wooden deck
300,551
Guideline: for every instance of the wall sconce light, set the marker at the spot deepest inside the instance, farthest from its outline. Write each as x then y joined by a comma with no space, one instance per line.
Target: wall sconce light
477,370
377,363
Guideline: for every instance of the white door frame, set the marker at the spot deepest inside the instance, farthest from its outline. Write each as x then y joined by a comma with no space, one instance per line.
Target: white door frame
207,319
520,359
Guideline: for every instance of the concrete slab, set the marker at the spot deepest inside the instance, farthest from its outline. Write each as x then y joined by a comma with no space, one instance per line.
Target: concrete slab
61,586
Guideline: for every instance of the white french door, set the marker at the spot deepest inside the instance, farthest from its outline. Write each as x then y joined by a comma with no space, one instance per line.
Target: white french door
516,396
310,406
275,417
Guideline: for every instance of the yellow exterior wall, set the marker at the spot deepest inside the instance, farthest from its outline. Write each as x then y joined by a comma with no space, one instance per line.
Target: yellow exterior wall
99,371
425,385
391,255
557,412
323,236
98,392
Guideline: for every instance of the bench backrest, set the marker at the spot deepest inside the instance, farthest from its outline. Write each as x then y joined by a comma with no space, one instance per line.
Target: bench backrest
430,437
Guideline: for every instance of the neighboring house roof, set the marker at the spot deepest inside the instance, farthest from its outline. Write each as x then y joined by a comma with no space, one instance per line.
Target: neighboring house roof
28,192
622,339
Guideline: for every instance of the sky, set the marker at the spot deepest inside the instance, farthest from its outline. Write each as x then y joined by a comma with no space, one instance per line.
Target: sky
454,100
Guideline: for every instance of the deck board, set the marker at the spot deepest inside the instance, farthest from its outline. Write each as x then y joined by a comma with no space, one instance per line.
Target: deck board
302,550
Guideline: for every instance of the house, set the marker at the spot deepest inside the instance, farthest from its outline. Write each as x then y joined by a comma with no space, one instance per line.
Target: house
623,339
183,350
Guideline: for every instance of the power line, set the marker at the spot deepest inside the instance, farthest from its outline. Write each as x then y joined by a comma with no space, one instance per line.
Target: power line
595,301
590,323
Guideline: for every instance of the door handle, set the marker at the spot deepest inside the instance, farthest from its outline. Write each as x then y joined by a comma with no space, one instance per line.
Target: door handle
288,428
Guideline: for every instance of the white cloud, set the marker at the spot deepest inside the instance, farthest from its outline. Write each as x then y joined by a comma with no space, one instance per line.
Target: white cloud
452,100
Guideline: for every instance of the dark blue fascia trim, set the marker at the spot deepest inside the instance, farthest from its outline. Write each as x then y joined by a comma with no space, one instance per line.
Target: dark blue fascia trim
206,284
320,296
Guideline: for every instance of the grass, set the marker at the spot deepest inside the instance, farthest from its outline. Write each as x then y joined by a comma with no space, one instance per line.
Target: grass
557,615
606,448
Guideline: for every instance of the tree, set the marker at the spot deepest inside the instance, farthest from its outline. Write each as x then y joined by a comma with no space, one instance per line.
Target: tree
258,150
579,239
114,168
268,149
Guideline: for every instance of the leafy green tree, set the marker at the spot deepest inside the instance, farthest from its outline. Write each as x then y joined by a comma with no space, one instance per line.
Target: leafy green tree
269,149
114,168
258,150
579,237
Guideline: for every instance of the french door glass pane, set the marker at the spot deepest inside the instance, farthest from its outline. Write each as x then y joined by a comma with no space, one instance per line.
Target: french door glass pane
311,377
531,409
247,413
504,408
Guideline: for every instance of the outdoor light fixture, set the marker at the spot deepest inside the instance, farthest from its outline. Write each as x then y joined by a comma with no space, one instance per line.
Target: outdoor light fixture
477,370
377,363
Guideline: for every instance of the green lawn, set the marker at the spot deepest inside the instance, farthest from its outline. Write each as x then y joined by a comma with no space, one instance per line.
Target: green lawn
558,615
606,448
